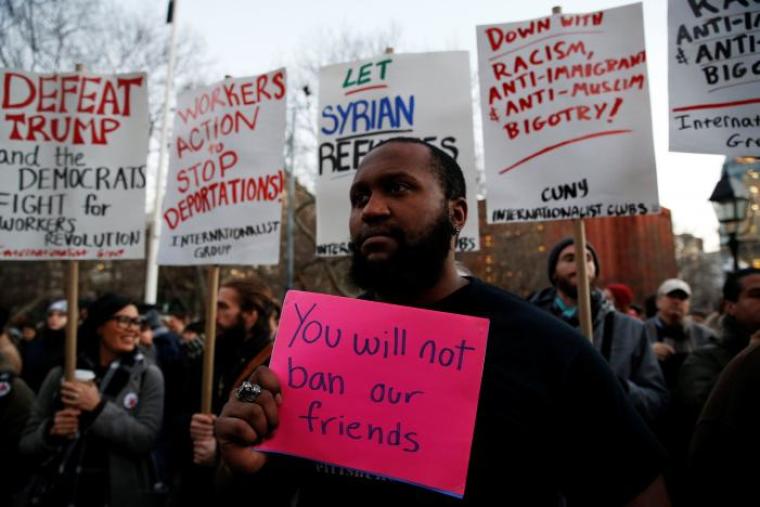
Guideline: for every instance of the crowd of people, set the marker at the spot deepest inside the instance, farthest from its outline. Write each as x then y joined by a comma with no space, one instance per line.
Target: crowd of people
655,409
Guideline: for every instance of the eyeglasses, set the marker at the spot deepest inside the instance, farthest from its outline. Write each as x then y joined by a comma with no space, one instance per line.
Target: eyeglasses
124,322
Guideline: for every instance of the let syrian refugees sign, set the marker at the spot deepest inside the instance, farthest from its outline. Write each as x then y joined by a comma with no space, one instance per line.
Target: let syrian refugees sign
362,103
566,117
224,190
369,385
714,76
72,165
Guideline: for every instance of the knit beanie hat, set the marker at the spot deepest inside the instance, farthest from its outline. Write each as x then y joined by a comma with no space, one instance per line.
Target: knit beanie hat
554,256
622,294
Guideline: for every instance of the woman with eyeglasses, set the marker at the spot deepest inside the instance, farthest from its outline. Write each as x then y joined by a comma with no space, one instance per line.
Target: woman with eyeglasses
93,437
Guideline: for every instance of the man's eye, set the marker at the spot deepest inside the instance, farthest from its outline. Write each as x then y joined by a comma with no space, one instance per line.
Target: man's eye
359,199
397,187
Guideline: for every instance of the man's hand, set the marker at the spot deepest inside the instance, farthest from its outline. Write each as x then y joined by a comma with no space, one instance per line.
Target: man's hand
202,426
202,434
81,395
245,424
663,350
65,423
204,451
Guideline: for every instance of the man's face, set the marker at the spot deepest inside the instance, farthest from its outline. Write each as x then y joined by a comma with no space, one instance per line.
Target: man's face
228,314
56,320
746,309
565,274
401,224
673,306
175,324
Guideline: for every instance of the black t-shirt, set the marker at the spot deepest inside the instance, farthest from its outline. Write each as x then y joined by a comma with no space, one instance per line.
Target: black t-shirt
552,422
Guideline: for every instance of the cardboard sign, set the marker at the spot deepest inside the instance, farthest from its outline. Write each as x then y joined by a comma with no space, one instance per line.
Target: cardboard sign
367,385
566,117
362,103
72,165
224,190
714,77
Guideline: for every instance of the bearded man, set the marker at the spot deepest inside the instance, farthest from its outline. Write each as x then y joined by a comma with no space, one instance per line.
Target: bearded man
547,402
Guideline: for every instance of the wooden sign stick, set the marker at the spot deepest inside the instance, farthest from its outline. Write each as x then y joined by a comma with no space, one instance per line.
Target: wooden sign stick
584,288
72,304
210,344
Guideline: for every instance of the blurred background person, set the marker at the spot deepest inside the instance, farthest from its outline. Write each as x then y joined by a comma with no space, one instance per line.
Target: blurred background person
622,297
45,351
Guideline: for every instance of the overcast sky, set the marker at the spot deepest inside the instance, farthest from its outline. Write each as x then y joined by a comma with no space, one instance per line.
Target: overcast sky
251,37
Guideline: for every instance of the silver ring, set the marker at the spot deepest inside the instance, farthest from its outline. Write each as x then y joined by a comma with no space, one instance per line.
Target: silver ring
248,392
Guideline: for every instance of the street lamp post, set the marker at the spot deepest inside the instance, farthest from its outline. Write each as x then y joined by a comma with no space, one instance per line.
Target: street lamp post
730,200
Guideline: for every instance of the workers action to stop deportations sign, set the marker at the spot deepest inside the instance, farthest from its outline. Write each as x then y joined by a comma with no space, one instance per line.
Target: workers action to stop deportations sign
226,176
566,117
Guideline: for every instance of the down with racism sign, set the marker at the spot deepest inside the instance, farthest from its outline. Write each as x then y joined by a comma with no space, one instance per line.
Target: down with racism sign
72,165
224,189
566,117
366,385
361,103
714,71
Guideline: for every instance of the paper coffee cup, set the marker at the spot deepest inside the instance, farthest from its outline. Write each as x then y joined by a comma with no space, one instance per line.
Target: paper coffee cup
84,375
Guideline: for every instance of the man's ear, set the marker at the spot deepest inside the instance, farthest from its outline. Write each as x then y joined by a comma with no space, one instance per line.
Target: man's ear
458,212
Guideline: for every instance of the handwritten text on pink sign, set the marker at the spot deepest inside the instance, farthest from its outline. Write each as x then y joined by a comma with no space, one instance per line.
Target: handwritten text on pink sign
387,389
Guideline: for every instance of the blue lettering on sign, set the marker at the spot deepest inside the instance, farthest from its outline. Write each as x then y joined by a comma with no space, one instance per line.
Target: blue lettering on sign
368,115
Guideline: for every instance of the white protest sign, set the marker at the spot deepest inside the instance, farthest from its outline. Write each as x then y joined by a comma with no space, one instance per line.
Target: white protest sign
566,117
224,190
362,103
72,165
714,76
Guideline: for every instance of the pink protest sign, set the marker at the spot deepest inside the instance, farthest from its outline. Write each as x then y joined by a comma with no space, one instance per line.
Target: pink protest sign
386,389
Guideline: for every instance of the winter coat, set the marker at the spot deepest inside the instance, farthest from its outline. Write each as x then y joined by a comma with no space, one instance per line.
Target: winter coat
127,424
630,355
700,371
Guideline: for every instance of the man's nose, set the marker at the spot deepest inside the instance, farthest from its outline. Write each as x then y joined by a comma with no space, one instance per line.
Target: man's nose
376,208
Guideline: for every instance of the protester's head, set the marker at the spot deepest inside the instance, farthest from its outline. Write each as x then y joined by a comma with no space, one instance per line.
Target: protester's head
622,296
112,328
741,294
151,316
698,315
244,306
673,301
562,269
28,330
176,317
407,207
56,315
145,337
192,331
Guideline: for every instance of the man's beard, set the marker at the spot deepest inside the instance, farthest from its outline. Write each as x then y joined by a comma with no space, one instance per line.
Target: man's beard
235,332
567,287
415,266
